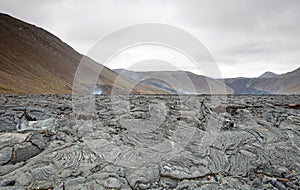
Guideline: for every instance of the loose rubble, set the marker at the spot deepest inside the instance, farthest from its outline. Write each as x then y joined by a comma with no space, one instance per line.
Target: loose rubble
150,142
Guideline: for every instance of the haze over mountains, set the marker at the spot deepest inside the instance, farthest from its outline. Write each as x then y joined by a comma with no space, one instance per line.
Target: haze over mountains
33,61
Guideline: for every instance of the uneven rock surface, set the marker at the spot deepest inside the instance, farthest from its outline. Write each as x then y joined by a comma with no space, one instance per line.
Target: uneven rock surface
150,142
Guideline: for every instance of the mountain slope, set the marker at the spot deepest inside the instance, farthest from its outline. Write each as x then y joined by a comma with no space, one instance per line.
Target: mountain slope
33,61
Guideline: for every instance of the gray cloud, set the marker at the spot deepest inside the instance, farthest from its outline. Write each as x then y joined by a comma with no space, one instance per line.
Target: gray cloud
257,35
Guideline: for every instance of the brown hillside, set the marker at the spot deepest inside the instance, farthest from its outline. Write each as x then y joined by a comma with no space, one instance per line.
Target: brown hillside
33,61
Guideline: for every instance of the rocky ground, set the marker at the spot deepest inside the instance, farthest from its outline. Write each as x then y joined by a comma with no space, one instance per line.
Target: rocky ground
150,142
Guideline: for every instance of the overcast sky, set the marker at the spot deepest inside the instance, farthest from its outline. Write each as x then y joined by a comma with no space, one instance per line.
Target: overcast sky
245,37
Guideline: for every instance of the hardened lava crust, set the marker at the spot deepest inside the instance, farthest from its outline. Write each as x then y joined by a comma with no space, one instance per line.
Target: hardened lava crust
150,142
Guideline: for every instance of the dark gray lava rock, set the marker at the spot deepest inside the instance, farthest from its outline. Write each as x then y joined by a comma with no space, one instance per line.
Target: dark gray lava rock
5,155
150,142
24,151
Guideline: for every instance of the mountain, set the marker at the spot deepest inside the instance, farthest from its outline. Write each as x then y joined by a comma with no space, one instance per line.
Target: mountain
184,82
181,82
33,61
268,75
241,86
268,83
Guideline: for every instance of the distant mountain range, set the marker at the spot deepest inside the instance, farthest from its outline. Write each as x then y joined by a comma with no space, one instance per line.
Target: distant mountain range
268,83
33,61
181,82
